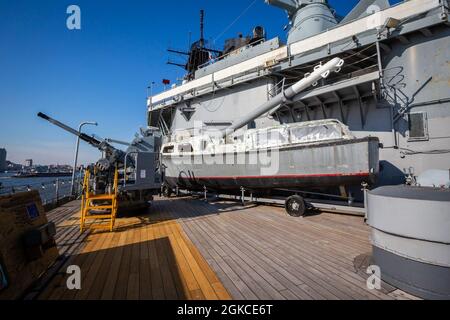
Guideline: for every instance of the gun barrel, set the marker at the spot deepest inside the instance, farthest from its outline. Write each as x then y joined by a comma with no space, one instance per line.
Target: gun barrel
118,142
58,124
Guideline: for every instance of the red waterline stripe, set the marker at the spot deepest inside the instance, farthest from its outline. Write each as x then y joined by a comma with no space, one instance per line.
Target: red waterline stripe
360,174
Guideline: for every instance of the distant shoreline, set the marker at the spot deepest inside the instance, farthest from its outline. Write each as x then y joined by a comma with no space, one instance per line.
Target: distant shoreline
42,175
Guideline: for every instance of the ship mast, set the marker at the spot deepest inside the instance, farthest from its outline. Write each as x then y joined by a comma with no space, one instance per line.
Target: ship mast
198,54
202,28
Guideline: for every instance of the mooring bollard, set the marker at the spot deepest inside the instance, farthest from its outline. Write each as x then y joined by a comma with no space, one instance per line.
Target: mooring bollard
243,196
205,191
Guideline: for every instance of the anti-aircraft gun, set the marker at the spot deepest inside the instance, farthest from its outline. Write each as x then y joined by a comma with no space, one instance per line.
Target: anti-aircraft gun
138,168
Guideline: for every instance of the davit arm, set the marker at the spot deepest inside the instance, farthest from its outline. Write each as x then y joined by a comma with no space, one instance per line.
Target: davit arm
320,71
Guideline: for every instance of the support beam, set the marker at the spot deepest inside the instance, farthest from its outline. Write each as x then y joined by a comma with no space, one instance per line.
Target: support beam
380,64
404,39
297,114
426,32
296,73
277,114
375,92
386,48
341,107
322,106
292,114
308,116
361,109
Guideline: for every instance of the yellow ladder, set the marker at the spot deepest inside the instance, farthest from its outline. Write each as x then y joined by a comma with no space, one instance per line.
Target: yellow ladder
90,203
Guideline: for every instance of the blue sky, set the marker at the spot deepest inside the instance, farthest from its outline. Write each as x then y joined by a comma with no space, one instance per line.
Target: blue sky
100,72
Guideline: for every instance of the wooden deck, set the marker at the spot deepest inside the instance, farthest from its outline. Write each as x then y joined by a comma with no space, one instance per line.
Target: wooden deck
147,257
188,249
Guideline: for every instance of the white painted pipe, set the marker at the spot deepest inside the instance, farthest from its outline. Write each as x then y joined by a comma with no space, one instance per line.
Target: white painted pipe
320,71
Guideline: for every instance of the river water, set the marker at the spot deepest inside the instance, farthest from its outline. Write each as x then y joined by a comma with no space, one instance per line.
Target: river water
45,186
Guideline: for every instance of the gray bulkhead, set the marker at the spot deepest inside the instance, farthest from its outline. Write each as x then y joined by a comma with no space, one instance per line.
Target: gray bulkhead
218,110
416,92
408,108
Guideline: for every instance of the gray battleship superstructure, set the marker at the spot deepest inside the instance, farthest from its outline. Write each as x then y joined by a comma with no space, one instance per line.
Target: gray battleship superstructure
394,85
138,166
298,155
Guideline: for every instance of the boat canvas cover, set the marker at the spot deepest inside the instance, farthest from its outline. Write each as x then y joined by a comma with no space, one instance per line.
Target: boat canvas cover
306,133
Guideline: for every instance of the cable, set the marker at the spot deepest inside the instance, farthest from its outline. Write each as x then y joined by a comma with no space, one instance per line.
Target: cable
235,20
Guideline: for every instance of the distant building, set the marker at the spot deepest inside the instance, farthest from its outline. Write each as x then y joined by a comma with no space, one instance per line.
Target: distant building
2,160
29,163
13,166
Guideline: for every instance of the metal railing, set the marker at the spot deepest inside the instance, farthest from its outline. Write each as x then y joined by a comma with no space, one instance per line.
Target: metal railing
51,192
276,89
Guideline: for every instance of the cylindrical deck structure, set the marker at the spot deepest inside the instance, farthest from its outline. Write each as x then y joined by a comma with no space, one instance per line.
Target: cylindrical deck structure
411,238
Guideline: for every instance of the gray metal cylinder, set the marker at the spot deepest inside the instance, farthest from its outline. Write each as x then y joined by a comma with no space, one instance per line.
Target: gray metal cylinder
411,238
307,18
311,20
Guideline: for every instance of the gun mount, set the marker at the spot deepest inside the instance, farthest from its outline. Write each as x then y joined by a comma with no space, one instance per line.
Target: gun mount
138,166
112,155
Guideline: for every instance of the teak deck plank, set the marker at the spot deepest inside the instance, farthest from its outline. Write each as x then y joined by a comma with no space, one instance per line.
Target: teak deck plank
161,249
229,284
147,257
69,241
244,292
145,290
84,261
104,275
175,259
155,273
305,259
133,280
199,276
121,287
113,273
90,269
185,248
312,268
234,283
190,285
321,267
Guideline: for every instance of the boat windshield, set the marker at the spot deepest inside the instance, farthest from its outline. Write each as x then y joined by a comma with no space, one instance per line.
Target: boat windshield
316,133
270,138
298,134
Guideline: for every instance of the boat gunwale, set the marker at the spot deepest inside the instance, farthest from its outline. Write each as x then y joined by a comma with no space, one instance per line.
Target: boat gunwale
298,146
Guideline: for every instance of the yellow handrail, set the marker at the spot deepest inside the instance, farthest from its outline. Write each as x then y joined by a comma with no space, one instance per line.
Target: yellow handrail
88,201
84,198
